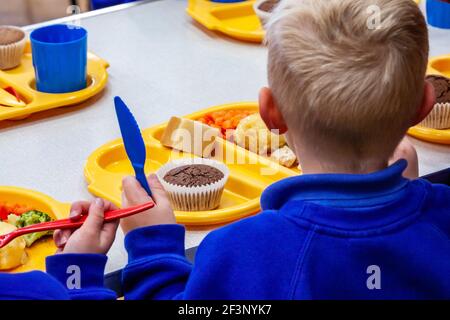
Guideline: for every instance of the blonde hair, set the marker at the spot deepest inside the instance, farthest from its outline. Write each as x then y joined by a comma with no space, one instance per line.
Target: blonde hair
343,83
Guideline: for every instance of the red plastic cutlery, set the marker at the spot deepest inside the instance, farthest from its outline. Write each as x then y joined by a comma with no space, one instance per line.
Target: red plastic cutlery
69,224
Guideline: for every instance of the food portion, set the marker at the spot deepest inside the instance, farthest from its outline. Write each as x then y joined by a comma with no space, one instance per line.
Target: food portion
29,218
248,130
194,184
439,117
19,215
193,175
190,136
284,156
240,126
268,5
13,254
264,9
16,209
225,120
12,45
252,134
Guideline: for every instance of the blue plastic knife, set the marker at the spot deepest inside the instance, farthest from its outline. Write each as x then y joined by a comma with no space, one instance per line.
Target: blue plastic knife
133,141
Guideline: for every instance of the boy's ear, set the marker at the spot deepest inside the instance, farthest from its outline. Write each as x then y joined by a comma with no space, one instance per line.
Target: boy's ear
428,101
269,111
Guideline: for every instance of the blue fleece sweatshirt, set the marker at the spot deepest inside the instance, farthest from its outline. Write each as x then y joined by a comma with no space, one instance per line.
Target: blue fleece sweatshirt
327,236
68,277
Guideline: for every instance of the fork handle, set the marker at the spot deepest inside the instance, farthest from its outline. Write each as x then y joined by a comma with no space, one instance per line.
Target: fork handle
70,224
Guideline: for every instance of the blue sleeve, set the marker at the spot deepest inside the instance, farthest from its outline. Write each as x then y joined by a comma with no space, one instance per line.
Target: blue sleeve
82,275
157,268
34,285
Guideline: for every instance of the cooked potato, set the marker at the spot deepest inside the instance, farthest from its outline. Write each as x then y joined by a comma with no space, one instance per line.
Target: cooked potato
252,134
13,254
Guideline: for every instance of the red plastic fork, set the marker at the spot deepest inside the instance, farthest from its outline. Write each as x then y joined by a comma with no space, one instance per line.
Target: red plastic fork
69,224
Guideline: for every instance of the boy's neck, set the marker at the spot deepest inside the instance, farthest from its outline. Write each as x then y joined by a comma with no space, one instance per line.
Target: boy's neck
315,165
318,168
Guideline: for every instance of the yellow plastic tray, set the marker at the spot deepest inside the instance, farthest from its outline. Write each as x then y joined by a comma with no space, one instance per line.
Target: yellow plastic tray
106,167
23,81
237,20
439,66
57,210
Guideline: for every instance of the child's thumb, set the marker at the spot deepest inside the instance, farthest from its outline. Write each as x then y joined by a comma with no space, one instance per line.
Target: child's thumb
94,220
159,194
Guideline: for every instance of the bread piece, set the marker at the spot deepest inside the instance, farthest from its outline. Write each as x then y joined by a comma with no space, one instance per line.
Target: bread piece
190,136
284,156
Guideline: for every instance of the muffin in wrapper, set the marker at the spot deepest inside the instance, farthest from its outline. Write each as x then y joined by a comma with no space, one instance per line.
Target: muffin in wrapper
439,117
197,198
12,46
264,8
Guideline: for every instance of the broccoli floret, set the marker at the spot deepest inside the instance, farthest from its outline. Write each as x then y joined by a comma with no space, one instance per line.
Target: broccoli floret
33,217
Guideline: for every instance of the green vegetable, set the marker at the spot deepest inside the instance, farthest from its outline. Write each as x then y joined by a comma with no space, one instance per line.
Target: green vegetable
33,217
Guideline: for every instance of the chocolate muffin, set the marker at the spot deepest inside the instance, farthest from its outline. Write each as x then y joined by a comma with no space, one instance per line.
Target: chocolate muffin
194,184
442,88
268,5
439,117
193,175
264,8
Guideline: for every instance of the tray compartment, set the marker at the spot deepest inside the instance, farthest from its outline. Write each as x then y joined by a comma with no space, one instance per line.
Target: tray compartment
23,81
107,166
44,247
237,20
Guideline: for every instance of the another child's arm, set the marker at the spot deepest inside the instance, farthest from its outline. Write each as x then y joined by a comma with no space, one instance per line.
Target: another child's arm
405,150
157,267
80,263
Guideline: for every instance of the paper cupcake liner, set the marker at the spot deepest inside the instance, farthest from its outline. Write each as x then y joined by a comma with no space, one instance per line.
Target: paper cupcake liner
11,53
197,198
439,117
263,16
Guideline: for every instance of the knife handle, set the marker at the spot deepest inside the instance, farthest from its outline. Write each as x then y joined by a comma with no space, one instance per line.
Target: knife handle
140,176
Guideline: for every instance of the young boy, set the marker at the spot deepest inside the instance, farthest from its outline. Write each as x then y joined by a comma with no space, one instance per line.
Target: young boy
351,227
345,91
77,272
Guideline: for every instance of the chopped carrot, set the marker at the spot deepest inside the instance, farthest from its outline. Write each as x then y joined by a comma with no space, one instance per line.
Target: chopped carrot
225,119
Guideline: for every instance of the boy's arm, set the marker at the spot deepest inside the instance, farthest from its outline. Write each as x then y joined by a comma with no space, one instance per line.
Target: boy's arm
82,275
80,263
157,268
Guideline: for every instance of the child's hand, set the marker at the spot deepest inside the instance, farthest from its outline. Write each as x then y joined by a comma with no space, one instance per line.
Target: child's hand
94,236
405,150
133,194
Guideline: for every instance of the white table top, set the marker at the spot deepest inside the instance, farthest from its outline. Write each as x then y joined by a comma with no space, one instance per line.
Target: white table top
162,64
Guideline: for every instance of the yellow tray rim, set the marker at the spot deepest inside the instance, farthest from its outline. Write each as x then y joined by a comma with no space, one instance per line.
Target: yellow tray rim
202,14
59,209
41,101
98,179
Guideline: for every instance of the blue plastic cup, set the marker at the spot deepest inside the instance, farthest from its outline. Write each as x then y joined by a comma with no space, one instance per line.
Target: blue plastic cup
438,13
59,58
